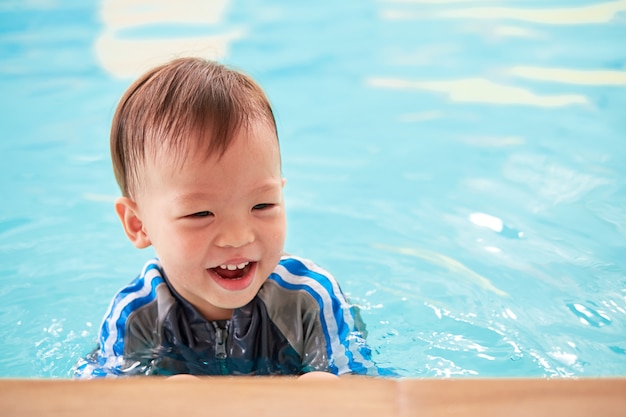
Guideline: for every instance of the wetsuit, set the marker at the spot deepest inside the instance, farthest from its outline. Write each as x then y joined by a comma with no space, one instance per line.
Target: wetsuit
299,322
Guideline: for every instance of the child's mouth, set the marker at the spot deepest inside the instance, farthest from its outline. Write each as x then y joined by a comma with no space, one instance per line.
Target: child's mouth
233,272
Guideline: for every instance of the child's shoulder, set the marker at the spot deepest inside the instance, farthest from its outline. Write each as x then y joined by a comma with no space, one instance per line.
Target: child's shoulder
144,288
137,303
295,267
298,274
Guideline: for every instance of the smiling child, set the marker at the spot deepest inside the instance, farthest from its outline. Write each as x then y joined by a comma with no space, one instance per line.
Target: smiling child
196,155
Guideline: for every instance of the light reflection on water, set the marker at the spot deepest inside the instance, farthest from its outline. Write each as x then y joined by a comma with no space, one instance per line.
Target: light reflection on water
458,165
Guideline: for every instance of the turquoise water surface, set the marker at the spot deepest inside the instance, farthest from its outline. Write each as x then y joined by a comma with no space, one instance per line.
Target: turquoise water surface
460,166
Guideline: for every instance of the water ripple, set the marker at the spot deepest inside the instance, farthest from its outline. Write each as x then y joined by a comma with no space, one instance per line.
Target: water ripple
589,314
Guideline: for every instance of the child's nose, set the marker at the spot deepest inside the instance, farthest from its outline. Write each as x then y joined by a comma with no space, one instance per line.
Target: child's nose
234,233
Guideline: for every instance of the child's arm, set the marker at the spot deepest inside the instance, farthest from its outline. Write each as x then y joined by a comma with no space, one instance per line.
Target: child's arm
333,338
113,357
347,351
126,338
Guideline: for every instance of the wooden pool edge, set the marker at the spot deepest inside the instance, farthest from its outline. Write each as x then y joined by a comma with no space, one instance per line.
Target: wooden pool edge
277,396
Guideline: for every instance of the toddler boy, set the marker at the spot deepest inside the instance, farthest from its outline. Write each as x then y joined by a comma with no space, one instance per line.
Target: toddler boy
195,152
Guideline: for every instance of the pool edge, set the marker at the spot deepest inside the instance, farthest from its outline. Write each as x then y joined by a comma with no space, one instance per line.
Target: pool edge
362,396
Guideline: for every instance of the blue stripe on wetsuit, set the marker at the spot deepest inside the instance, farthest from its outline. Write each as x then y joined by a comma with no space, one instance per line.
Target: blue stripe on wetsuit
297,268
132,305
317,298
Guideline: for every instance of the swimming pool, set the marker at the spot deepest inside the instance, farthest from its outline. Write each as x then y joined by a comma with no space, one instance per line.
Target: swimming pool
458,166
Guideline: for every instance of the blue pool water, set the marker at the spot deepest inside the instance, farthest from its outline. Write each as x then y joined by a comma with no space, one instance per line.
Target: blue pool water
460,166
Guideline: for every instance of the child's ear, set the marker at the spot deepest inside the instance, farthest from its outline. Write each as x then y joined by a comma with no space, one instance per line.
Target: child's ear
126,210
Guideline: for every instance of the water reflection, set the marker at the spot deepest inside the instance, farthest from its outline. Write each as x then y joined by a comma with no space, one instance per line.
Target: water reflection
481,90
597,13
139,34
570,76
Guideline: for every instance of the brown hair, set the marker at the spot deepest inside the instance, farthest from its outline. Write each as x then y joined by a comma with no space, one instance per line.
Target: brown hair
184,105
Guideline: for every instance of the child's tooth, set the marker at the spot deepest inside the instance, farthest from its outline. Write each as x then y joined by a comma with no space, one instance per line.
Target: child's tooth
233,267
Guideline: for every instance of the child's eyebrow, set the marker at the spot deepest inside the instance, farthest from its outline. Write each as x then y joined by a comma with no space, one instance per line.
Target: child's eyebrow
269,186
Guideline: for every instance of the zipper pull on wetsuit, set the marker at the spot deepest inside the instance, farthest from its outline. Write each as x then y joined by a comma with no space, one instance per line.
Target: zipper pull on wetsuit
221,335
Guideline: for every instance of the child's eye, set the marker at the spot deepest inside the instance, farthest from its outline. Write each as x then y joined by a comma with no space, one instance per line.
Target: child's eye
201,214
263,206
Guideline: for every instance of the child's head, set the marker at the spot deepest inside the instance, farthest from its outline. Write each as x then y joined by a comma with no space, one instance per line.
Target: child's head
187,105
196,155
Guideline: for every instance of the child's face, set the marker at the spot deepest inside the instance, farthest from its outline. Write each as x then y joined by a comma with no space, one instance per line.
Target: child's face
217,225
